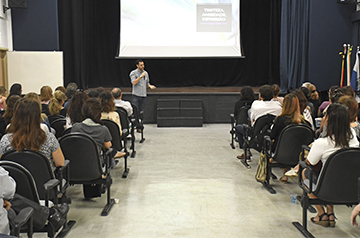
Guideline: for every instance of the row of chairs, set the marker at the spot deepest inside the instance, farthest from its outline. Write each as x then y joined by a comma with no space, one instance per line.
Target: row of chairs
339,180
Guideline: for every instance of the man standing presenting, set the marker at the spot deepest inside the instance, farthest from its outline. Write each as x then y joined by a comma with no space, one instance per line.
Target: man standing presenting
140,81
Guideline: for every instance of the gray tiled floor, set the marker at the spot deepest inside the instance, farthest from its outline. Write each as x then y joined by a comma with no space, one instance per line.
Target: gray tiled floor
187,182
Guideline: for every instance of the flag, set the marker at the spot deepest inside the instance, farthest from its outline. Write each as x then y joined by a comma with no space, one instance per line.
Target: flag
355,73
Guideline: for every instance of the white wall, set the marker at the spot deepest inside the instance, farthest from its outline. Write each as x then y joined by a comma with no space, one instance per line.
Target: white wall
5,27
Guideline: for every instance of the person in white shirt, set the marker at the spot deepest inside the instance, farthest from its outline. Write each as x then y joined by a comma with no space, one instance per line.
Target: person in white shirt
7,191
117,94
259,108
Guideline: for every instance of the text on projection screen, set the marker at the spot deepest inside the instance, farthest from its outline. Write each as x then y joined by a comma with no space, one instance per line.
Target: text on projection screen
183,28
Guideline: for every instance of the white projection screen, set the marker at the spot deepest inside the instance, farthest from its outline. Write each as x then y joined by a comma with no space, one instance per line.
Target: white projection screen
179,28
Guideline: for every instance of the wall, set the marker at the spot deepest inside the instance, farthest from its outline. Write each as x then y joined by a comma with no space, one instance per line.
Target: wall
36,28
330,28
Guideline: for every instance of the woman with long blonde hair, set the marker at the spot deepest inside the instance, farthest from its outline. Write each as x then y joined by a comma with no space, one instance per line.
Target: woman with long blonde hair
56,105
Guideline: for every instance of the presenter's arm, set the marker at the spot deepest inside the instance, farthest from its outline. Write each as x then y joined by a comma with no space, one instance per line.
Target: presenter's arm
139,78
151,86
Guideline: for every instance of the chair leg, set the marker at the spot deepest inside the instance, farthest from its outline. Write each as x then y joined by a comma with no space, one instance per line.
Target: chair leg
266,183
244,160
303,228
126,169
110,201
133,153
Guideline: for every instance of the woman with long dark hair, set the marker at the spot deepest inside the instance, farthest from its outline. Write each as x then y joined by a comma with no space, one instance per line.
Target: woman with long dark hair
338,135
74,112
25,132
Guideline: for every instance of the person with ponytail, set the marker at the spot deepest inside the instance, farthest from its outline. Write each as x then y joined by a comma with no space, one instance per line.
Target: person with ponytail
56,105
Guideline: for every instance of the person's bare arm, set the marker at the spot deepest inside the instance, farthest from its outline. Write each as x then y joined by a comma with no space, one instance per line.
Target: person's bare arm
58,157
139,78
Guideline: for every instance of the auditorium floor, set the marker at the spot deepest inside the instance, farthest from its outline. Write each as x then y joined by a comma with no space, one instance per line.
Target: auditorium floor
187,182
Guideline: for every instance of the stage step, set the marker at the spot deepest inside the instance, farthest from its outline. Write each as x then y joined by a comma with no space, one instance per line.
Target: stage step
179,113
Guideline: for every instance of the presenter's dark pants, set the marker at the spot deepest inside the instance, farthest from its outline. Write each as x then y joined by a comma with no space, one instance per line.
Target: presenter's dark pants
139,102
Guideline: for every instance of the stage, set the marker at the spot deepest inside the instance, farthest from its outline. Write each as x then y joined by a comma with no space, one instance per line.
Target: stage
217,102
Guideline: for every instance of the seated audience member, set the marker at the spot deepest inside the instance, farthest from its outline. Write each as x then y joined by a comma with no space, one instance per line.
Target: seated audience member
11,100
56,105
71,89
108,109
61,88
93,93
277,98
74,113
7,191
325,104
2,98
15,89
45,97
304,109
25,132
93,127
339,135
290,114
247,97
353,107
349,91
314,96
117,94
45,124
259,108
309,104
100,90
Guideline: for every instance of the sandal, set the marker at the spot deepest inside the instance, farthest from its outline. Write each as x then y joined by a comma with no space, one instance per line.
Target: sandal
320,221
283,180
332,222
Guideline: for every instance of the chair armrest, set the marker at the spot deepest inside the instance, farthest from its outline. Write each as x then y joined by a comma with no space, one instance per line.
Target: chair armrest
51,184
63,173
267,145
304,165
23,216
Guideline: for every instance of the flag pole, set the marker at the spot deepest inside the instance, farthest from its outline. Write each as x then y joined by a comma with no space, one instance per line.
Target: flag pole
343,54
349,50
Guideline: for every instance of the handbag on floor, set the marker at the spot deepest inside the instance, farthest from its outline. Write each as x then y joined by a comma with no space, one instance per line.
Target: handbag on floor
261,169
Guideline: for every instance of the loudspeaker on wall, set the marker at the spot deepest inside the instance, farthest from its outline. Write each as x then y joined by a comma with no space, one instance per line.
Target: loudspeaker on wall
17,3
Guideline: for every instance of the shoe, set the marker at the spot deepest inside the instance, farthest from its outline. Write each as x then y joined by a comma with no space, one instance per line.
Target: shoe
332,222
243,156
283,180
292,173
320,221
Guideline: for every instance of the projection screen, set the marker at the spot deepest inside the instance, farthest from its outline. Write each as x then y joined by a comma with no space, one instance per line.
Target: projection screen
179,28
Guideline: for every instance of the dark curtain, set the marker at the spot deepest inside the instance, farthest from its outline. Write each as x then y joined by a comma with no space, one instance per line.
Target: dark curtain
294,43
89,34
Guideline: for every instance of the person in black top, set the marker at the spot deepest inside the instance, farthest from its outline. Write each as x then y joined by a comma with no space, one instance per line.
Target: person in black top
247,96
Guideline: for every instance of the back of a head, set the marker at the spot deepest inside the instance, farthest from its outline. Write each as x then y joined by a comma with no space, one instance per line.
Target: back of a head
352,105
61,88
302,99
71,89
306,92
116,92
338,124
10,107
2,91
107,102
276,89
15,89
76,104
93,93
25,125
290,106
349,91
247,93
92,109
266,92
45,93
56,102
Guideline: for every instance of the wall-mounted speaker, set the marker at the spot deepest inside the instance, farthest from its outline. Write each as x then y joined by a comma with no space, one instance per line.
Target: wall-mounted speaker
17,3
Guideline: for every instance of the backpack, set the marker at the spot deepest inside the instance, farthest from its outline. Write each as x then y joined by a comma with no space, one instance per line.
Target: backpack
261,170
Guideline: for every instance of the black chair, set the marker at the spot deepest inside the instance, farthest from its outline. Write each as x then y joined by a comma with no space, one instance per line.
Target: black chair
54,117
138,121
39,166
23,218
337,184
59,126
26,186
254,136
116,141
288,148
86,164
241,118
127,129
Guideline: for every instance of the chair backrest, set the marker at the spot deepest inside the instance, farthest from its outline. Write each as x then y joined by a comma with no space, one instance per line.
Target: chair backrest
291,138
25,183
243,116
338,180
262,124
82,151
38,166
54,117
115,133
124,119
59,126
